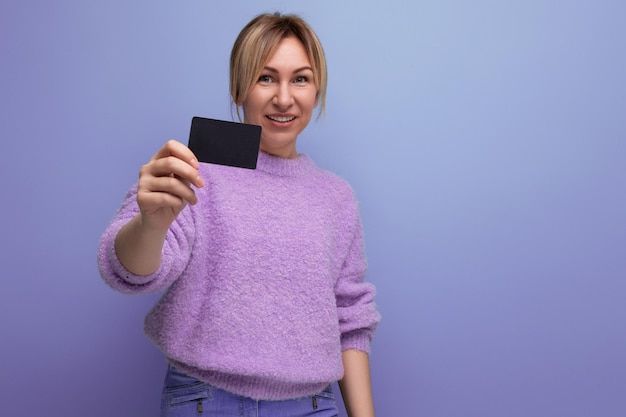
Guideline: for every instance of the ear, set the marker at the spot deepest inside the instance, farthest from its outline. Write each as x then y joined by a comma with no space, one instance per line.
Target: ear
317,99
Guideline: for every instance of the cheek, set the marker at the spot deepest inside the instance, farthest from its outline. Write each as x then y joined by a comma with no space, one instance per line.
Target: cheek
314,97
310,100
251,108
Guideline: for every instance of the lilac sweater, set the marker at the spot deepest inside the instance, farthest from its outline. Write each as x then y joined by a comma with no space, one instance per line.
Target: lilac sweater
263,279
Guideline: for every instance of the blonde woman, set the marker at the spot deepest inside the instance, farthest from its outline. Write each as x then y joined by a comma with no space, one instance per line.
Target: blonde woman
265,303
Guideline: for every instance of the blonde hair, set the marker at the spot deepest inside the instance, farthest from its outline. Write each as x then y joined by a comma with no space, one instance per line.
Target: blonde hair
256,44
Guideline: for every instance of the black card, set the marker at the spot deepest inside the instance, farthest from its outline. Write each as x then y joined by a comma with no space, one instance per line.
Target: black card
225,143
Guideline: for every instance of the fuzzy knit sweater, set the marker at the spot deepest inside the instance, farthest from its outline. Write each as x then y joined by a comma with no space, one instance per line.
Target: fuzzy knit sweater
263,279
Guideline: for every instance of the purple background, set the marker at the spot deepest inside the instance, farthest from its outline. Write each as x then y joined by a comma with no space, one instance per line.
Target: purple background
486,142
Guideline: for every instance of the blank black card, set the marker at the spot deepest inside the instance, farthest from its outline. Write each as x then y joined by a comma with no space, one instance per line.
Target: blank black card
225,143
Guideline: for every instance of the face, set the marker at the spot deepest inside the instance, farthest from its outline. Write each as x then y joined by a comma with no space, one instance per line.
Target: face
283,99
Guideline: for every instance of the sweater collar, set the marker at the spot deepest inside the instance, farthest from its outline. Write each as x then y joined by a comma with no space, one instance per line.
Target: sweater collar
283,167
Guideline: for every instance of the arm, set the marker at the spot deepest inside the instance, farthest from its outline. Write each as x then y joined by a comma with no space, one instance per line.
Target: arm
358,319
356,387
163,191
138,247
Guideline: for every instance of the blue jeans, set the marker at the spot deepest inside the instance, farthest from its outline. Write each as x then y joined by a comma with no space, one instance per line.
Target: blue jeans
185,396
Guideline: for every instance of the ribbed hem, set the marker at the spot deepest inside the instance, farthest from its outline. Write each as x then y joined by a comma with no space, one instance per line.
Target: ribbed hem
257,388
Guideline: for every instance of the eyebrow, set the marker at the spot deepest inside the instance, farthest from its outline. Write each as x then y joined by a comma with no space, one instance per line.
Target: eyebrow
271,69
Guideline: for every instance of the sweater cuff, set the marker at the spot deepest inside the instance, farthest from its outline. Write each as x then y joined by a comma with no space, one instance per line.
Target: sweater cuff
115,273
357,340
133,279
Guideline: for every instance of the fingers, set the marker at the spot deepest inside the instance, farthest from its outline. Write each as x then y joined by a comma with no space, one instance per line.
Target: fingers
174,159
171,166
178,150
166,180
176,191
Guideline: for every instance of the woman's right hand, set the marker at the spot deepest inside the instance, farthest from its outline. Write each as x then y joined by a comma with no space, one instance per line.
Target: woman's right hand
165,185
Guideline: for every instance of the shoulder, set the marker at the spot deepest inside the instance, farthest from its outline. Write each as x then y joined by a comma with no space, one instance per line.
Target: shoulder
336,188
337,182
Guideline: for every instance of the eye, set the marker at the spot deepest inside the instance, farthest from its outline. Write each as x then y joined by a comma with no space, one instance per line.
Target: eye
301,79
265,79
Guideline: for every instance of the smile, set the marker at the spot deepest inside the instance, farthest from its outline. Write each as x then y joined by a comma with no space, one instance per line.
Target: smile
281,119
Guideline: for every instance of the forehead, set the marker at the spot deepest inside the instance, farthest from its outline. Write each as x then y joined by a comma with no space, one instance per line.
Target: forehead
289,53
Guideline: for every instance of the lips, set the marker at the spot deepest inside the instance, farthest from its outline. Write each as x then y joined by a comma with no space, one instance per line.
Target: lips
281,119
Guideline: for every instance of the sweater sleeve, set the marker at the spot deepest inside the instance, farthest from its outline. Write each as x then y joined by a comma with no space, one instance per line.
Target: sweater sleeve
176,252
358,315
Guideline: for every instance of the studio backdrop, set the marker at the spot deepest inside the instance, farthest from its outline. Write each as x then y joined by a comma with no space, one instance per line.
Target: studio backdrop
485,141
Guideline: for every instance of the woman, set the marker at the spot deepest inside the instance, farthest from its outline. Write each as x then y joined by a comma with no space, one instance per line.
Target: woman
265,303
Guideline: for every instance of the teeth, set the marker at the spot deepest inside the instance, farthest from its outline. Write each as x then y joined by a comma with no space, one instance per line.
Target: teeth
281,119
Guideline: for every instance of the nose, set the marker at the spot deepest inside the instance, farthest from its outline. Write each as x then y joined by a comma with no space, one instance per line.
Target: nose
283,97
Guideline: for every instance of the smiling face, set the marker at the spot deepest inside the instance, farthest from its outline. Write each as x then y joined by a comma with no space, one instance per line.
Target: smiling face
282,99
